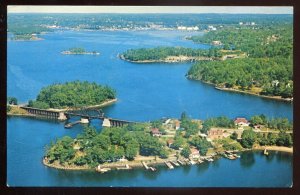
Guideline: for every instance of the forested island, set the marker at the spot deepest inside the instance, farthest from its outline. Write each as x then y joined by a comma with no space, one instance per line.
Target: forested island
164,140
267,71
72,94
79,51
177,54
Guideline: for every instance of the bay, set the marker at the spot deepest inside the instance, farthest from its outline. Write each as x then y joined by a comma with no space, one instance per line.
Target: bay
145,92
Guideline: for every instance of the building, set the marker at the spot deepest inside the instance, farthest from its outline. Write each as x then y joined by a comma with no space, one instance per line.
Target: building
176,124
194,153
216,42
155,132
241,122
215,133
170,142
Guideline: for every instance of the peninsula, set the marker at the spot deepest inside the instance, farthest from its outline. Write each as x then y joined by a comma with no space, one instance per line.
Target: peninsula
168,141
177,54
79,51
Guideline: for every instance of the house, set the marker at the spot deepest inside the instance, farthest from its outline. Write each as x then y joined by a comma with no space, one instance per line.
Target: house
241,122
215,133
155,132
176,124
216,42
170,142
194,153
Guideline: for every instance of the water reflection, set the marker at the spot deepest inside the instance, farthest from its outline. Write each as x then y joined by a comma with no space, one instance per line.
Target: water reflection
202,167
247,160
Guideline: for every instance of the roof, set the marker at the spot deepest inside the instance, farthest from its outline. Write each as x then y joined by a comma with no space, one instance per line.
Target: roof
239,120
155,131
194,151
170,141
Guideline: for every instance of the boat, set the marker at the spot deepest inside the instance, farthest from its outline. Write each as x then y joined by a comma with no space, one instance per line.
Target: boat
152,168
236,156
209,159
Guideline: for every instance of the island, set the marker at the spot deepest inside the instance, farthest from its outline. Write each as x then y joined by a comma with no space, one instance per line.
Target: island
79,51
169,141
268,70
178,54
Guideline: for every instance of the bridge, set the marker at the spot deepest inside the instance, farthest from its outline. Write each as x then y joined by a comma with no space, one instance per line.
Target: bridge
86,115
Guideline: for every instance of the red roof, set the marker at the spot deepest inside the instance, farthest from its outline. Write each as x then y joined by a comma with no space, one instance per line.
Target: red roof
194,151
155,131
239,120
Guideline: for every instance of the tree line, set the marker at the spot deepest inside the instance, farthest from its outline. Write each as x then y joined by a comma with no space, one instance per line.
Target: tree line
273,75
161,53
72,94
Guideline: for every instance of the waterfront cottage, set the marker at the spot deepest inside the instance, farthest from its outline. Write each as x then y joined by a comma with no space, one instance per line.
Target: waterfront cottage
194,153
241,122
214,133
155,132
176,124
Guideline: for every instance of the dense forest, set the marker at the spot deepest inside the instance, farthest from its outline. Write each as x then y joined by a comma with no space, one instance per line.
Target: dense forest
269,67
110,145
161,53
258,42
72,94
273,75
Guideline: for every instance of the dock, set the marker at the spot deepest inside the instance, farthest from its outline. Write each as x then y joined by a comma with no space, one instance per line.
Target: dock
126,167
175,163
169,165
266,152
180,162
145,165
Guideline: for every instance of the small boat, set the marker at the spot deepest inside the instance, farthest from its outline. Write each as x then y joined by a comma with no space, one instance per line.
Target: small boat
236,156
152,168
68,126
209,159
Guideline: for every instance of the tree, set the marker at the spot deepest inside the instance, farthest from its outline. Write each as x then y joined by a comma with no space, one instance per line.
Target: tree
284,139
248,138
178,142
256,120
8,108
12,100
185,152
272,138
201,144
234,136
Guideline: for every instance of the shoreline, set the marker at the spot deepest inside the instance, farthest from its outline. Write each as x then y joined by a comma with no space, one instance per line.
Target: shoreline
157,162
104,104
244,92
169,59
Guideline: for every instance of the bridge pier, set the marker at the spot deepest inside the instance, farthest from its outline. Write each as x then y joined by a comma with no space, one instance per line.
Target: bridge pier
84,120
106,123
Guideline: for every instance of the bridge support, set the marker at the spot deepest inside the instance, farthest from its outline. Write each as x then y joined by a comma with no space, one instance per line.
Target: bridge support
62,116
84,120
106,123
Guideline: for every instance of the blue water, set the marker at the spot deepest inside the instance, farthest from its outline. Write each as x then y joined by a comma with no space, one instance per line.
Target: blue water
145,92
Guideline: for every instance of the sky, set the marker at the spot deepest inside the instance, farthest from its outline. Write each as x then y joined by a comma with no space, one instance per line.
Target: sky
152,9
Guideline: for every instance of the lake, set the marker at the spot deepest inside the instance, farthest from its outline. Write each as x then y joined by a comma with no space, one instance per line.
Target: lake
145,92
